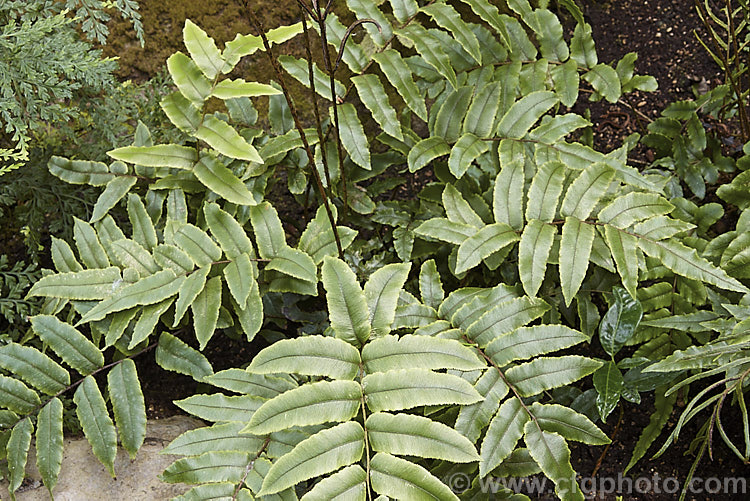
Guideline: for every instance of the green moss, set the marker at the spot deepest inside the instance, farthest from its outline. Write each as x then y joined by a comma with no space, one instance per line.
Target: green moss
221,19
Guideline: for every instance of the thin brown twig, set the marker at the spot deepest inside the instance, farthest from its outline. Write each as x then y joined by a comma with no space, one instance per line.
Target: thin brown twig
305,143
606,447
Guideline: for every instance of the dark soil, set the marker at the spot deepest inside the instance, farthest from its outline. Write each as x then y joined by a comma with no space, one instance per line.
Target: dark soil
661,32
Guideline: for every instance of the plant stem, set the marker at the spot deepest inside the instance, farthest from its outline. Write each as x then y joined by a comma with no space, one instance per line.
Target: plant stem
314,97
310,156
334,100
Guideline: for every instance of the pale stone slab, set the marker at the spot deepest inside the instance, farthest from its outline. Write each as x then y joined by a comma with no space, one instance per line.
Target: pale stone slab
83,478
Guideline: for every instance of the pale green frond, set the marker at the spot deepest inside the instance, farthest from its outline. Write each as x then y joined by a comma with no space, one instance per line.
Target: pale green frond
408,388
551,452
205,309
63,258
18,452
575,250
324,452
181,112
568,423
481,116
507,195
372,94
347,484
484,243
17,397
407,435
298,69
352,135
347,303
169,256
309,355
430,285
382,292
489,13
189,290
458,209
226,140
259,385
504,317
212,491
525,113
149,290
425,151
128,405
413,316
161,155
69,344
529,342
633,207
218,407
197,244
81,171
440,228
85,285
117,188
117,326
213,466
404,9
219,437
314,403
446,17
222,181
295,263
549,33
399,75
232,89
269,234
472,419
365,9
545,373
189,78
318,240
449,115
400,479
203,49
605,81
623,247
553,129
130,254
34,367
240,278
467,149
251,316
277,146
96,423
685,261
49,442
90,249
504,432
174,355
143,227
586,191
418,352
518,464
430,48
533,253
582,48
228,232
545,191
